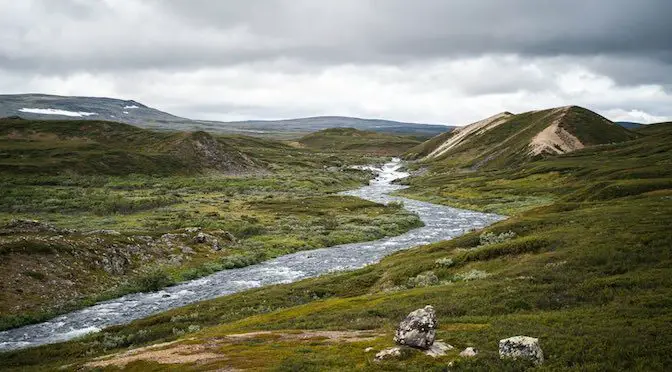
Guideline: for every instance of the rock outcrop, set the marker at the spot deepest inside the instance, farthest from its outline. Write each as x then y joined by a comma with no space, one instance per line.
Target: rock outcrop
521,347
418,329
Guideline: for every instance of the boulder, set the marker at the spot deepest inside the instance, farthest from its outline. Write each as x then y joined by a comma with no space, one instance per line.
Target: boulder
418,329
393,352
469,352
523,347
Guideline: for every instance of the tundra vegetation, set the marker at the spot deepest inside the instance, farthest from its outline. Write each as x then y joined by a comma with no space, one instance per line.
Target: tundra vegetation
583,263
94,210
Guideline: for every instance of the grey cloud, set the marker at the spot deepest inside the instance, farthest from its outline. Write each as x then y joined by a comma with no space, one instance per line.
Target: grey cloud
307,47
189,34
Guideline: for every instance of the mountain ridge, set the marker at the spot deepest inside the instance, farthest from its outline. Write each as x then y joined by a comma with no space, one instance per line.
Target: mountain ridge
50,107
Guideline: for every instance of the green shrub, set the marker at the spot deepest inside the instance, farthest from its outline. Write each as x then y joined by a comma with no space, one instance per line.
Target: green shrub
488,238
515,247
444,262
153,281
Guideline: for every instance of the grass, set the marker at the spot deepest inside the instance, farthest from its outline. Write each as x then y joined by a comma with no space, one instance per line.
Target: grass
588,275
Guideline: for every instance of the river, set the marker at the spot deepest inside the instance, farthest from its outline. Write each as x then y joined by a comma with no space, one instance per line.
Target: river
441,223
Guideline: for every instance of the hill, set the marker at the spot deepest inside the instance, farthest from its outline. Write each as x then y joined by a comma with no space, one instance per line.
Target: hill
312,124
49,107
653,129
100,147
629,125
508,139
583,263
358,141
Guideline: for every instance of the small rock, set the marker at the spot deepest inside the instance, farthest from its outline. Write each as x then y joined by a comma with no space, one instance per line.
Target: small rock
368,349
201,238
390,353
418,329
438,348
192,229
469,352
521,347
215,245
103,232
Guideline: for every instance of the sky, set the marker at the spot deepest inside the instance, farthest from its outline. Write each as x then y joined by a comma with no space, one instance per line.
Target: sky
427,61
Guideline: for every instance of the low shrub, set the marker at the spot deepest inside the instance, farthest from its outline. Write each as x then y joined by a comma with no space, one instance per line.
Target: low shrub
515,247
488,238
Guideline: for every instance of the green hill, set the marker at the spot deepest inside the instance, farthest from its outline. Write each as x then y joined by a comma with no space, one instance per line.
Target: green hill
653,129
100,147
507,139
358,141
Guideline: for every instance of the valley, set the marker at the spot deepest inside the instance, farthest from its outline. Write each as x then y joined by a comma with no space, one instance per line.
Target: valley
582,261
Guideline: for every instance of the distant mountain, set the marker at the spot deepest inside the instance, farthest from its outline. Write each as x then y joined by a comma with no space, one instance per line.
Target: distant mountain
355,140
506,138
48,107
629,124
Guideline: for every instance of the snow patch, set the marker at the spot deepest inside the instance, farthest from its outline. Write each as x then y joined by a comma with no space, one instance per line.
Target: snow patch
131,107
51,111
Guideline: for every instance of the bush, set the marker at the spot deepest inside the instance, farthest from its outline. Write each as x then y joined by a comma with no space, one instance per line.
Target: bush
444,262
423,280
488,238
518,246
153,281
471,275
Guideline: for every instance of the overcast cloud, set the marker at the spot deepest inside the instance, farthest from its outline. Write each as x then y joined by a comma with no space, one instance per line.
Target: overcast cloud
435,61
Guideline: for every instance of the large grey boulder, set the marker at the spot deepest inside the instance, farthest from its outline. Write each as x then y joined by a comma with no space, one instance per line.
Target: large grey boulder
418,329
522,347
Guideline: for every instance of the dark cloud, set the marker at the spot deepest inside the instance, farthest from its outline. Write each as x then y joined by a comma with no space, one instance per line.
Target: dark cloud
188,34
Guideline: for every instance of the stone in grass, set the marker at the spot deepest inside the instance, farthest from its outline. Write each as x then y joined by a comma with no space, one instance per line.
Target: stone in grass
418,329
469,352
391,353
522,347
438,348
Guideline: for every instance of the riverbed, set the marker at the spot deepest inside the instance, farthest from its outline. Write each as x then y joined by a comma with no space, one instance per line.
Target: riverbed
441,223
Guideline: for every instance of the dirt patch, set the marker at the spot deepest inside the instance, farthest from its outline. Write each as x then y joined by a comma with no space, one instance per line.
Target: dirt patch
166,353
461,134
208,351
555,140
